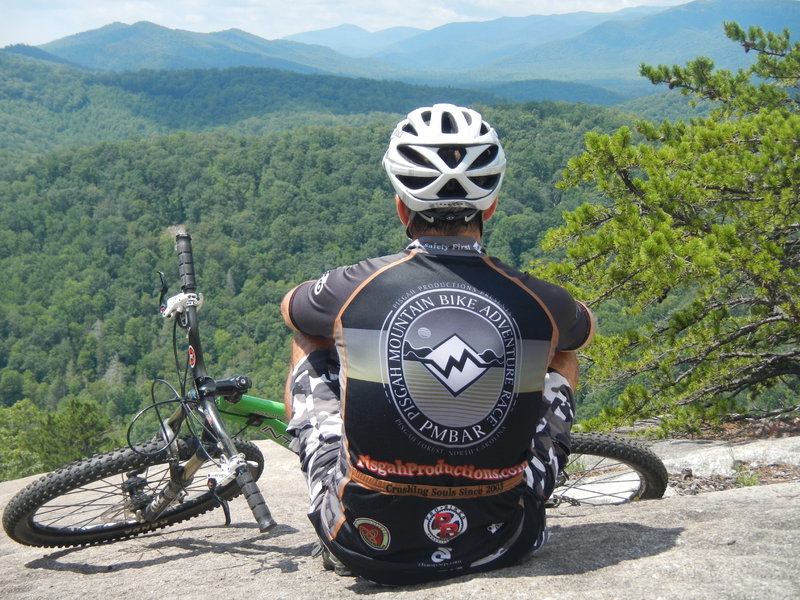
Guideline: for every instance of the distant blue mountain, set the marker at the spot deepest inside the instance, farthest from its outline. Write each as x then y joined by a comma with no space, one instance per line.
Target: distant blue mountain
143,45
511,57
354,41
462,46
615,49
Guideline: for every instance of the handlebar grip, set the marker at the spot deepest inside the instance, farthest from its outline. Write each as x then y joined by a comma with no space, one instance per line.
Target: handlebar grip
256,501
183,242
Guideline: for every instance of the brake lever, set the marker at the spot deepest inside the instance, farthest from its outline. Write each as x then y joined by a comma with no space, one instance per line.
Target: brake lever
212,487
164,289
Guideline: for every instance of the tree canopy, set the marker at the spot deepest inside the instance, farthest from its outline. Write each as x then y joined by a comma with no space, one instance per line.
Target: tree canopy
84,229
696,235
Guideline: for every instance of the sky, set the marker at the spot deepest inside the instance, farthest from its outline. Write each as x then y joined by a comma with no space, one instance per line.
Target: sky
36,22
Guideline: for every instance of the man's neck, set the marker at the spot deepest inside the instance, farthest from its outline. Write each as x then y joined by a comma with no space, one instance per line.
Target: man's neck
470,233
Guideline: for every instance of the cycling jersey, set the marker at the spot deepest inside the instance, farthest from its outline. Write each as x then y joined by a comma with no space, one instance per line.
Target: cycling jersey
443,355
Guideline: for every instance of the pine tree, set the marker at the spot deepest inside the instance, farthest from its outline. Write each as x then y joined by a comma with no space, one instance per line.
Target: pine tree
696,232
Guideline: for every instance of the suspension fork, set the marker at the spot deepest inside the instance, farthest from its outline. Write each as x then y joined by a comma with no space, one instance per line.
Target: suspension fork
181,476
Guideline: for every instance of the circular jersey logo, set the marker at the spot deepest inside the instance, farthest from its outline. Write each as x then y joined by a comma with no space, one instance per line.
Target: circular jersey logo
450,360
444,523
375,535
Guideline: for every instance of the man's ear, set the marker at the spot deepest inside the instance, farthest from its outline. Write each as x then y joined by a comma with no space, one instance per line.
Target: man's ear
402,211
487,214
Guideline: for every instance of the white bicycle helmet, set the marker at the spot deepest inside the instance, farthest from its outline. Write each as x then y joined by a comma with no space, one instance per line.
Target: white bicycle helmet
445,157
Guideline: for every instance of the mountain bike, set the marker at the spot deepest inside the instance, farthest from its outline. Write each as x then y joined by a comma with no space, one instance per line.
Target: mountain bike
181,461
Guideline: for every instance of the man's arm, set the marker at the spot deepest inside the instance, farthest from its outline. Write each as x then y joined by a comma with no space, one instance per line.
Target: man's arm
551,442
566,363
302,346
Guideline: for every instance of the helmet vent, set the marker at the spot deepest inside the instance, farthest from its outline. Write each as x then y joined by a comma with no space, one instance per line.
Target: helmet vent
409,128
448,123
486,182
485,157
484,128
413,156
452,189
415,183
452,156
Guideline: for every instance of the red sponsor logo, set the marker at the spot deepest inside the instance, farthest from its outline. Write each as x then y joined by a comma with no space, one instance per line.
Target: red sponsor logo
192,357
375,535
444,523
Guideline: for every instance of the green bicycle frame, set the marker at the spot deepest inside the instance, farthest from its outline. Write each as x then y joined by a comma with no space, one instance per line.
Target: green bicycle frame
268,416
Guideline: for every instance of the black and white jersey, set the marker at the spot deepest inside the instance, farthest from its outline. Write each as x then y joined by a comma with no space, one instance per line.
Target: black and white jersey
443,354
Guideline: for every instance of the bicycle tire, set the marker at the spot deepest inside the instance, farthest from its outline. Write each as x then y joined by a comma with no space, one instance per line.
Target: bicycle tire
607,469
83,503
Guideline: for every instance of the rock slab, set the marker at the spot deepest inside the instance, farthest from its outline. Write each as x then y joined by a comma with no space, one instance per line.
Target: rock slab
736,544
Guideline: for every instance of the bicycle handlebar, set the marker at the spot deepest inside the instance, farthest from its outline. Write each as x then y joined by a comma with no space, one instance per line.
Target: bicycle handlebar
183,242
208,389
255,500
238,384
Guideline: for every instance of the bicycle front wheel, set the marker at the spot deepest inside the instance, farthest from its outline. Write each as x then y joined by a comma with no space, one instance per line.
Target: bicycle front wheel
606,469
95,499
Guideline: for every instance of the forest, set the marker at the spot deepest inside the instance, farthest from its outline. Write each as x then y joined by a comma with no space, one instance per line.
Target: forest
84,230
87,222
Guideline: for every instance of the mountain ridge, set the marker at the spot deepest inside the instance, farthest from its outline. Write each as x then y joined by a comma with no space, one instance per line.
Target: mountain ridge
599,65
355,41
488,39
578,47
146,45
674,36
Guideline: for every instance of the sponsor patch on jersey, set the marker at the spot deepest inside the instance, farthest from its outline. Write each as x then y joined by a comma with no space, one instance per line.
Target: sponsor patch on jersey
450,358
441,555
320,284
444,523
375,535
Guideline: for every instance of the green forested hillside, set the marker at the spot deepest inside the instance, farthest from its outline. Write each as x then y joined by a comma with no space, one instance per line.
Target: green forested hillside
44,105
83,231
547,89
666,106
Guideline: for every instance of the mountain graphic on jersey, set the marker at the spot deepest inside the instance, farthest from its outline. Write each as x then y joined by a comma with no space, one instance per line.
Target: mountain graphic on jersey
453,362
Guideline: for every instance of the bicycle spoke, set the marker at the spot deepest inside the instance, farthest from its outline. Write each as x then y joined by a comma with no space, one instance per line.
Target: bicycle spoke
103,502
599,480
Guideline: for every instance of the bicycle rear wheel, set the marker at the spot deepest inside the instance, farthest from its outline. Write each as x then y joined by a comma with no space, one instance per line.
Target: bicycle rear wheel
606,469
90,501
